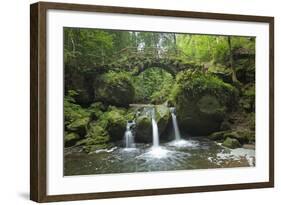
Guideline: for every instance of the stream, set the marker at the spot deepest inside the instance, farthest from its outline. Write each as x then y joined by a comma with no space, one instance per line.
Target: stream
184,154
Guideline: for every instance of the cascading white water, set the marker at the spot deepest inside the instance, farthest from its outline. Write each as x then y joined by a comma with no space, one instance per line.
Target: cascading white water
154,130
175,124
129,136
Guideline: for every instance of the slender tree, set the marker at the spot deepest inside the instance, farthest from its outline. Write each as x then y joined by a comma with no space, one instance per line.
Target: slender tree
234,77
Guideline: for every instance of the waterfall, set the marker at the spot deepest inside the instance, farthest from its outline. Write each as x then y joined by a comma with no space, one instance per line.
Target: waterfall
175,124
129,136
154,130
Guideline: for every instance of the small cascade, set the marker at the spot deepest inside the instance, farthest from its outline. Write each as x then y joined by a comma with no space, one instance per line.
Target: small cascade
175,124
129,135
154,130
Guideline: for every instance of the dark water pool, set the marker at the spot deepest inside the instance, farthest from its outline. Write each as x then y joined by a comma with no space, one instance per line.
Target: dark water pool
194,153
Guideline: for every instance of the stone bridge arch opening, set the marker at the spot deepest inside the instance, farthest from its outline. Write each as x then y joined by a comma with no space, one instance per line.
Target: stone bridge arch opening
153,85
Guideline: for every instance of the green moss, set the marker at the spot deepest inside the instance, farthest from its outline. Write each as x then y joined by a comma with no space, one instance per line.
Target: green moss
115,88
231,143
70,138
235,135
202,101
76,118
195,83
210,104
247,100
97,138
247,135
218,136
79,125
96,110
114,121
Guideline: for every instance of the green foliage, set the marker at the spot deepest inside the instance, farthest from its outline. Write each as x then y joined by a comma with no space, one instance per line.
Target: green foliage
74,114
84,47
97,138
96,109
210,48
70,138
153,85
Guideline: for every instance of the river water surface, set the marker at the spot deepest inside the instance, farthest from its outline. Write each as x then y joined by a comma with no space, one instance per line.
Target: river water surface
187,154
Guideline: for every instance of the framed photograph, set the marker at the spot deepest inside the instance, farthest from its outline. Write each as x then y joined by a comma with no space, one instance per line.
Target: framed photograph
135,102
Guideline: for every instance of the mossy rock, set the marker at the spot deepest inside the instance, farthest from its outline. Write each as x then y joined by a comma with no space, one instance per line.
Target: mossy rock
247,135
97,138
115,88
247,100
114,121
71,139
163,116
217,136
96,110
231,143
143,129
79,126
202,101
236,135
245,69
76,118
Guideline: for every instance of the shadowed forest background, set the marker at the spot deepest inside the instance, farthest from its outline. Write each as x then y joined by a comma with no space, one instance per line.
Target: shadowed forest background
113,77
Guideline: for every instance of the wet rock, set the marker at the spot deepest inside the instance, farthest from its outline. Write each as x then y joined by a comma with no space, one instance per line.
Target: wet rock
143,129
163,116
236,135
218,136
231,143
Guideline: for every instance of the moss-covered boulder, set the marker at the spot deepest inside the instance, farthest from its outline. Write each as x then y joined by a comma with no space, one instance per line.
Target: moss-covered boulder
235,135
143,129
96,110
79,125
245,69
71,138
247,100
162,115
97,138
247,135
114,121
231,143
202,101
76,118
115,88
217,136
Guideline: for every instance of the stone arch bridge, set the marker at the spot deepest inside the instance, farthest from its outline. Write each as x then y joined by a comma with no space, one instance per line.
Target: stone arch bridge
137,61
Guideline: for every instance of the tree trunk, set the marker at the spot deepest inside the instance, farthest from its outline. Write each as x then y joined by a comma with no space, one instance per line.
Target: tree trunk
234,77
175,43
